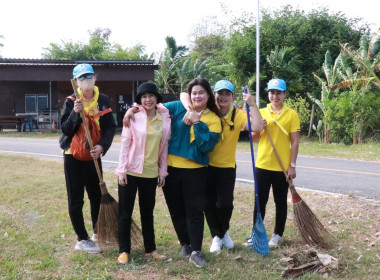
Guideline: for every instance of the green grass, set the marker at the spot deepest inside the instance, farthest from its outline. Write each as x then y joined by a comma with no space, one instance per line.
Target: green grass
37,240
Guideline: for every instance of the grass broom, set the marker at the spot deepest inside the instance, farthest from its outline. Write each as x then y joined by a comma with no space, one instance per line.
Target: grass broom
258,238
311,229
107,224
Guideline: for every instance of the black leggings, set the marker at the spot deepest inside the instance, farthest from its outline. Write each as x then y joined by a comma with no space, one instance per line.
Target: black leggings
184,192
276,179
147,200
219,199
81,176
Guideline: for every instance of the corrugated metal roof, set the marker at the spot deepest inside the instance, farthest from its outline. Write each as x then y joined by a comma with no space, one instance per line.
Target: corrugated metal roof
44,62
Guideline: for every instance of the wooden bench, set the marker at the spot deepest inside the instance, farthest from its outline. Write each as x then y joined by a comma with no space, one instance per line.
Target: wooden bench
11,122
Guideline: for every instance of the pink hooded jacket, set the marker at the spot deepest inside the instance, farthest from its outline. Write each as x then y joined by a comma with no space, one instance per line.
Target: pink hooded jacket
133,139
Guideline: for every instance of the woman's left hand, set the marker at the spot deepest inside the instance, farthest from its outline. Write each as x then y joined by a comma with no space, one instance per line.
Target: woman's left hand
292,172
247,97
161,181
96,151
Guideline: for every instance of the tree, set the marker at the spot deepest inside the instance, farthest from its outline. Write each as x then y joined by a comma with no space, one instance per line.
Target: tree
169,62
310,34
350,94
98,48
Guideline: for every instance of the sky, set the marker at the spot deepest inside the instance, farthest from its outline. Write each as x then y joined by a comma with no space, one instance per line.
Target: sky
29,26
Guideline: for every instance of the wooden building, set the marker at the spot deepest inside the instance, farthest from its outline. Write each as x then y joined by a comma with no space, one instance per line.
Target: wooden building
38,87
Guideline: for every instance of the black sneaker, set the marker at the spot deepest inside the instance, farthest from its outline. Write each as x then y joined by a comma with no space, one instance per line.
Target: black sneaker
185,251
197,259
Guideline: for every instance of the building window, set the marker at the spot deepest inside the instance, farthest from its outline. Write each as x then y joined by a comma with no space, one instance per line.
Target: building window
36,102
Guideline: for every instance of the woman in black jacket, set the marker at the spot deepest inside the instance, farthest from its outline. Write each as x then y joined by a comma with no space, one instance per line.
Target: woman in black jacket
80,174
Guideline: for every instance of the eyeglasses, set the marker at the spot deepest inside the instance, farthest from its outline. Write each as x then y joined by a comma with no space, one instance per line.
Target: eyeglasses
85,76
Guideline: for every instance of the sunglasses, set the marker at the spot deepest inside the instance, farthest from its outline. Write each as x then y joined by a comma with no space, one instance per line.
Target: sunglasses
85,76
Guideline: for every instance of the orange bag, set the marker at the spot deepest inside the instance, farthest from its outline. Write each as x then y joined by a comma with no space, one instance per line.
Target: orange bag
80,147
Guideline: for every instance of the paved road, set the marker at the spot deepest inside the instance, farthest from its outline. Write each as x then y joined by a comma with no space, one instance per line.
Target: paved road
331,175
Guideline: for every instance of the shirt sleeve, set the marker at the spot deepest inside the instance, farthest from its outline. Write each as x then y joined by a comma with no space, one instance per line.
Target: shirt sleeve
126,140
295,123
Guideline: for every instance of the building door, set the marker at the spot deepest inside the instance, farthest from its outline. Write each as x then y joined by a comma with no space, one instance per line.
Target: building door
8,99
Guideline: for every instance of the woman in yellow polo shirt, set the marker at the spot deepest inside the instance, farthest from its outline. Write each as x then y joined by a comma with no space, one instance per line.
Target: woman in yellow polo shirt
283,125
221,172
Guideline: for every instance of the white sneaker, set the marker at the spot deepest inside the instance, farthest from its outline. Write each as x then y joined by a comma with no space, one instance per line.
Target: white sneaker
227,241
88,246
94,237
275,240
248,243
216,245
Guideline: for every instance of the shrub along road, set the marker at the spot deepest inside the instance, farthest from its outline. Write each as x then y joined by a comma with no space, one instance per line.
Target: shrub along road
339,176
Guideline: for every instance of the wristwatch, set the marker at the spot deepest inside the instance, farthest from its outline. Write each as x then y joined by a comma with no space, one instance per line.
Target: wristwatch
293,165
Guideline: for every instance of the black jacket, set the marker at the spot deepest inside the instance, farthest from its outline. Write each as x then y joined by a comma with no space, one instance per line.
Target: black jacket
70,122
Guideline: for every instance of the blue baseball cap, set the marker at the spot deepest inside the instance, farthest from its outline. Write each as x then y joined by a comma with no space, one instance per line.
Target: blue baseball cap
276,84
82,69
224,84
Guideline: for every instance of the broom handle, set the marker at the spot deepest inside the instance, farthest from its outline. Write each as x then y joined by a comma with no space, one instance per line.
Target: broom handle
290,181
87,132
252,157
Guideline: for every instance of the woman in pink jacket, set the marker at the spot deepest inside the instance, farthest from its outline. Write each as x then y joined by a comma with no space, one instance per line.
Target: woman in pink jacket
142,167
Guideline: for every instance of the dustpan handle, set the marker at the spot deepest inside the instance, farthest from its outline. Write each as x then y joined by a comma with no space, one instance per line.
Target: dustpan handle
87,132
252,156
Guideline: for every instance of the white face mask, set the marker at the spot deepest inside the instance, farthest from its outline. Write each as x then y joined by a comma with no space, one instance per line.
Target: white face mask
86,84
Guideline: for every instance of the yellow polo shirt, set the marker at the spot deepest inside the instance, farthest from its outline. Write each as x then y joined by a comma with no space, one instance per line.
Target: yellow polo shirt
266,158
224,153
214,125
152,145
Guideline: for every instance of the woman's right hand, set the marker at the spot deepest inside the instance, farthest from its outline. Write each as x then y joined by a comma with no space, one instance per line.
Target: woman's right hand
122,180
264,121
129,115
78,105
193,116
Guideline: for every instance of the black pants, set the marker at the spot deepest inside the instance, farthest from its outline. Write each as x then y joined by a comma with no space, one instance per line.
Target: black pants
219,199
81,176
147,200
276,179
184,192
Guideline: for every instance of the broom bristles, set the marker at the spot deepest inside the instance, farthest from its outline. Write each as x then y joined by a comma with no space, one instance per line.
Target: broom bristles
107,225
311,229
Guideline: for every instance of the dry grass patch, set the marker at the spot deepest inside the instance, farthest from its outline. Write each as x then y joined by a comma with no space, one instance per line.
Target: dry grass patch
37,240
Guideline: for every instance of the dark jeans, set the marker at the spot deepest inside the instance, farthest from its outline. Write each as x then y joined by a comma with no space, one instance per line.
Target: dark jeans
276,179
219,199
81,176
184,192
147,200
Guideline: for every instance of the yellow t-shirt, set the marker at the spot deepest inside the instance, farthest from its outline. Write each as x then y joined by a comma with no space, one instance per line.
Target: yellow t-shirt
214,125
224,153
266,158
152,145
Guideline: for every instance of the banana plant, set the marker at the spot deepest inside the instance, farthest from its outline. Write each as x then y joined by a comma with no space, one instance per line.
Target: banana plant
327,90
367,59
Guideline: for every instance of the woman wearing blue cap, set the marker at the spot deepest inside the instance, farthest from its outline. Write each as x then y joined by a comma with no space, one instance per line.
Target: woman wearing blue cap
80,172
221,172
284,126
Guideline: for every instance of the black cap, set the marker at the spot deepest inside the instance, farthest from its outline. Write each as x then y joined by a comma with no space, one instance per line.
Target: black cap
147,88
